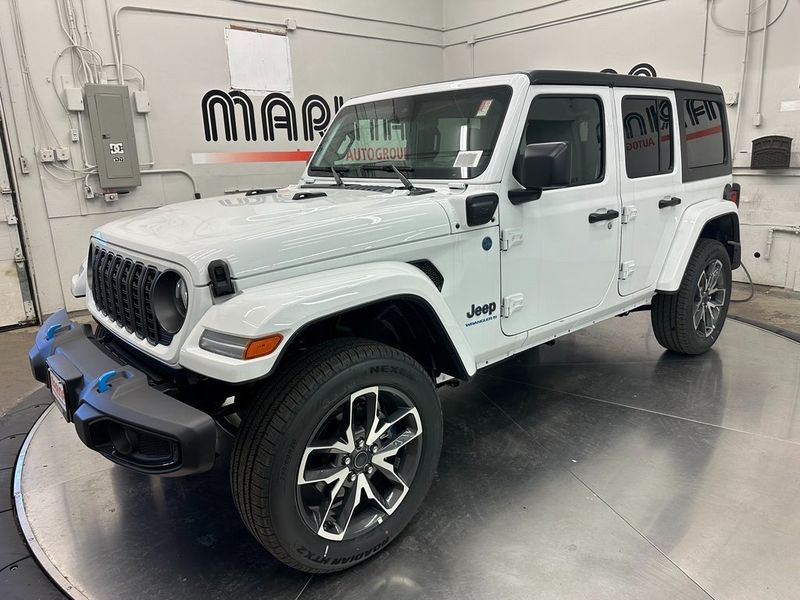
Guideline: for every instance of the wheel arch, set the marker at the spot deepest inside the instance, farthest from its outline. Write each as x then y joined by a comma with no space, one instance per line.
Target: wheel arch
406,322
711,219
725,229
392,303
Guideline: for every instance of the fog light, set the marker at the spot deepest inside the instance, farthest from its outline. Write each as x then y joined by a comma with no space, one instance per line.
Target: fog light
122,439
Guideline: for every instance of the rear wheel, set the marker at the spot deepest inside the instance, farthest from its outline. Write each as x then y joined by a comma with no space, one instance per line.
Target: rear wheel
337,454
691,320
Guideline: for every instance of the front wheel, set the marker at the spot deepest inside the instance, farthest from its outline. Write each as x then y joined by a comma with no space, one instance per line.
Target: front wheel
690,321
337,454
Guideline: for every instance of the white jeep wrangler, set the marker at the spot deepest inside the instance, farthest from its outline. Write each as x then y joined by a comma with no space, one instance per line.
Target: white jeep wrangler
437,230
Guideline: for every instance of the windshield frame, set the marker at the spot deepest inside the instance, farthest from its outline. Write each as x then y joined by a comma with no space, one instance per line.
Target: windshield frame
489,174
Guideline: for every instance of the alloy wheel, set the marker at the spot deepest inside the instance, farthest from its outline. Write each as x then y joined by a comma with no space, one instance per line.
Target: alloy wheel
359,463
709,298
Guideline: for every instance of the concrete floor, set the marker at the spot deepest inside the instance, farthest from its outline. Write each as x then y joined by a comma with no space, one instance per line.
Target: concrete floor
772,306
14,370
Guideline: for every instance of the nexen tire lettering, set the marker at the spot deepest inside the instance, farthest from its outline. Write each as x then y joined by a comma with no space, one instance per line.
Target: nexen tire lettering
324,560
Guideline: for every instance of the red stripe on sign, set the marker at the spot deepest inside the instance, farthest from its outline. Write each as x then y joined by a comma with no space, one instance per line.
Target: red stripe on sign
218,158
704,132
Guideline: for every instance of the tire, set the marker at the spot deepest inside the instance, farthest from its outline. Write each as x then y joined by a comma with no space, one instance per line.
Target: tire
308,405
674,315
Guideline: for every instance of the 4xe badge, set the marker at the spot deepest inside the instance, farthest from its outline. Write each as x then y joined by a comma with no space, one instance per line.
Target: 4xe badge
483,312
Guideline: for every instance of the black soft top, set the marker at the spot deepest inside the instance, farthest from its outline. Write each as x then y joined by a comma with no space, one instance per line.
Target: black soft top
553,77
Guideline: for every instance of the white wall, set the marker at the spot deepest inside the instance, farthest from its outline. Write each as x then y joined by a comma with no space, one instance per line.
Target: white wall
668,34
347,52
349,47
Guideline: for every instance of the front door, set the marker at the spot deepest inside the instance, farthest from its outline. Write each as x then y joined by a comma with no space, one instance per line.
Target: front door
562,255
650,184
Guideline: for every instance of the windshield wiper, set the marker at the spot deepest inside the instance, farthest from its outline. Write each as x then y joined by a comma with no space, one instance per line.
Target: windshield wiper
386,166
336,177
397,170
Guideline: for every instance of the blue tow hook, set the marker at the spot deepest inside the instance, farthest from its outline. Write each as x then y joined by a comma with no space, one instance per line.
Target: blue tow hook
103,383
53,330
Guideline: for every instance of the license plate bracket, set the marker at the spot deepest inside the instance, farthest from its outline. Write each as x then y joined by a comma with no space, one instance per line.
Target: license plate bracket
59,392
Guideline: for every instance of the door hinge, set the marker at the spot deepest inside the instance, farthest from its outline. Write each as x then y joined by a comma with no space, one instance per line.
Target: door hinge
629,213
626,269
511,304
509,238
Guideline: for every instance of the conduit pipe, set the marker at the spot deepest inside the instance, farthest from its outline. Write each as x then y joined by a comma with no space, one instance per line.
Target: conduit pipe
778,229
734,148
561,21
759,91
705,42
116,33
318,11
178,171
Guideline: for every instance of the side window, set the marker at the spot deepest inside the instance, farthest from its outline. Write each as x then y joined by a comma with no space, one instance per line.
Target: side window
647,127
704,138
576,120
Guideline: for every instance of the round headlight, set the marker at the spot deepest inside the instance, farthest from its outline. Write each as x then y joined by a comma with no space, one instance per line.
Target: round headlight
181,297
170,300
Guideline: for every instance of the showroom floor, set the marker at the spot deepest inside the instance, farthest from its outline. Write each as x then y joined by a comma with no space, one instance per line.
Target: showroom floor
601,467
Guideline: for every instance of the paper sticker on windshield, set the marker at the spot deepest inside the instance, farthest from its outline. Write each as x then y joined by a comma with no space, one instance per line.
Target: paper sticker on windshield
468,159
483,108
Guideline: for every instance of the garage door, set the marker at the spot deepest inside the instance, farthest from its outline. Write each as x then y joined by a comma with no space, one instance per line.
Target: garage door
15,305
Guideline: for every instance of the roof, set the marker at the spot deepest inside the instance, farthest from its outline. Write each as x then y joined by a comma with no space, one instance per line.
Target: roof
551,77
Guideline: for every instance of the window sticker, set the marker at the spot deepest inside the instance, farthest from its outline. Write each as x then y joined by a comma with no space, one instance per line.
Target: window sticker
483,108
468,159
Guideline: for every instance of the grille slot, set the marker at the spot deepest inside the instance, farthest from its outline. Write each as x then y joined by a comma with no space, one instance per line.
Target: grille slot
122,290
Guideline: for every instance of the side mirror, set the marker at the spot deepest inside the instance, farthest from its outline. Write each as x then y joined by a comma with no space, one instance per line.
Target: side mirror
546,165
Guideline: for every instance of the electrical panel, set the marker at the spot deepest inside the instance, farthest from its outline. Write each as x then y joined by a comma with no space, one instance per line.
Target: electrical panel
111,124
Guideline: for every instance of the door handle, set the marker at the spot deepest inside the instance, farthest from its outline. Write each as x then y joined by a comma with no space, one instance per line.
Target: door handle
605,215
665,202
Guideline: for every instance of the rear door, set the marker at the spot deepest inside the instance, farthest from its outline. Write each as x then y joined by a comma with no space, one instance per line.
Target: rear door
557,261
650,182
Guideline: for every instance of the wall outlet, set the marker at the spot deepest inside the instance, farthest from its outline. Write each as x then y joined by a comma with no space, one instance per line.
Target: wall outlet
46,155
74,136
62,154
88,192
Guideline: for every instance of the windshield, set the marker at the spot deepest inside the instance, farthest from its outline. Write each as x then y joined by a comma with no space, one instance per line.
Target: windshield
444,135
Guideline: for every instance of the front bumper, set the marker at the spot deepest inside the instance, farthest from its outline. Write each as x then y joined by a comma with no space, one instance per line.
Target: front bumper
114,409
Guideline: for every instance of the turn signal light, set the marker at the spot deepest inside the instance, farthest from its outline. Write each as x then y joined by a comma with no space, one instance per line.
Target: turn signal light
239,347
262,346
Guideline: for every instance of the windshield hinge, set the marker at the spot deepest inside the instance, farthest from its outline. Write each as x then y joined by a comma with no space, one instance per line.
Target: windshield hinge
509,238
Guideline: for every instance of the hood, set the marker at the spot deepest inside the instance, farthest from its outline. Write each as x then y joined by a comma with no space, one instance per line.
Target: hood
267,232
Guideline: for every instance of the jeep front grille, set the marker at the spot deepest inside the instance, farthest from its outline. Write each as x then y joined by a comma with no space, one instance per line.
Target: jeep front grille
122,290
